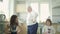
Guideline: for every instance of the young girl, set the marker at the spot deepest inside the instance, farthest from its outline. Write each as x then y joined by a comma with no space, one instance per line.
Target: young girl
14,27
48,28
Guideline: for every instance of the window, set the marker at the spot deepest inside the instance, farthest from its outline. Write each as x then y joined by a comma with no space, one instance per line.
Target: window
34,6
4,8
44,12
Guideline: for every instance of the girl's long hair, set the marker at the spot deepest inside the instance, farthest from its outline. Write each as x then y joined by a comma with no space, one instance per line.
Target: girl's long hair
13,20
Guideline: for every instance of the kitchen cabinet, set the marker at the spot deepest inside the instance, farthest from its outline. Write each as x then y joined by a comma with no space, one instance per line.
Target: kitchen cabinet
56,11
20,6
56,15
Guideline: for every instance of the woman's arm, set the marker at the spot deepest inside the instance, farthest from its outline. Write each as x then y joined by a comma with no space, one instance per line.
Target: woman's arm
19,29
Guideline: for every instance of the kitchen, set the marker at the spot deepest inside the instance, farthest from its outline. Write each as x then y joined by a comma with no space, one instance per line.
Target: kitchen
44,8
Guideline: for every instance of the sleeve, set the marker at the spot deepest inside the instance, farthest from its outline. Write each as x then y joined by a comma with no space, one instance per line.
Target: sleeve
35,15
43,29
27,18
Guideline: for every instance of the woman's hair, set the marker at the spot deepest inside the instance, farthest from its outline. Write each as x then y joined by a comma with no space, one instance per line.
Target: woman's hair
13,20
49,21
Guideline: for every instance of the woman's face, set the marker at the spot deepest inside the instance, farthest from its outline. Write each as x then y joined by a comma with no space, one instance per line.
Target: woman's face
48,23
29,9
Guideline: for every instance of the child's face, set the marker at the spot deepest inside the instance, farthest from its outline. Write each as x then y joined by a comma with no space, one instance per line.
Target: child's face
48,23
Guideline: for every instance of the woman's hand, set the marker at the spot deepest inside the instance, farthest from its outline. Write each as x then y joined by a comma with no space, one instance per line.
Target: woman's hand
33,20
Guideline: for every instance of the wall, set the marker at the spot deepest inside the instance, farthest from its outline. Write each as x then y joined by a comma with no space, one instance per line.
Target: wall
11,7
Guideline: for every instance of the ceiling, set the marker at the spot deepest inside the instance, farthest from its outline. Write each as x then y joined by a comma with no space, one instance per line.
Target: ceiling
34,0
54,3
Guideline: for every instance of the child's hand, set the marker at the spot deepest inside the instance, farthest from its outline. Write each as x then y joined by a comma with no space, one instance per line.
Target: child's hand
46,33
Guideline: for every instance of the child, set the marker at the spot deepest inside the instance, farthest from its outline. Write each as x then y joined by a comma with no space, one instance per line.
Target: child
48,28
14,27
